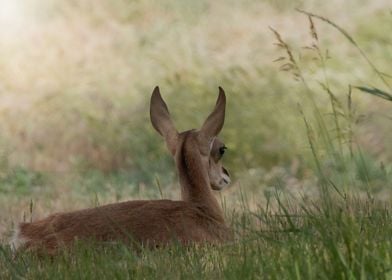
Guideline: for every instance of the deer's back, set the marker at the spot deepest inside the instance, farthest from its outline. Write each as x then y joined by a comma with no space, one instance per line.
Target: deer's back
150,222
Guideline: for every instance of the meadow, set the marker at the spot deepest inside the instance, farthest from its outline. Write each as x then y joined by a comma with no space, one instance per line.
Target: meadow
308,130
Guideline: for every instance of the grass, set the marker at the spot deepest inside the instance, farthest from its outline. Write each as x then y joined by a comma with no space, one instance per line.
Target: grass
304,239
308,145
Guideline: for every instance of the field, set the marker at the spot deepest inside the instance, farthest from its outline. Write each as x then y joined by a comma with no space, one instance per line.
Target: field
308,130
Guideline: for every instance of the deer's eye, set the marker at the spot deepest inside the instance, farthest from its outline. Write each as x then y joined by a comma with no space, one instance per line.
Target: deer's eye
222,150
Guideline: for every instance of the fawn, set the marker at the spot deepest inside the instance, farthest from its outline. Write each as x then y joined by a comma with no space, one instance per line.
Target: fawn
196,218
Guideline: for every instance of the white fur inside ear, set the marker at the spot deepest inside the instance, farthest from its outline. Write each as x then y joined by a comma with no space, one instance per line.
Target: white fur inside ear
17,240
212,143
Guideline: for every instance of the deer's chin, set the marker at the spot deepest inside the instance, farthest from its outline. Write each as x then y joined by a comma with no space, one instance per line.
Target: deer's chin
219,188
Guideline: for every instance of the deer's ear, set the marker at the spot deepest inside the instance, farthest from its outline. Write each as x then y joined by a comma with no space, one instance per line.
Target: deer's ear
161,120
214,123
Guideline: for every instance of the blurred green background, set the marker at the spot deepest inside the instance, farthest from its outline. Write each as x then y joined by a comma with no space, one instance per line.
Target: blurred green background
76,78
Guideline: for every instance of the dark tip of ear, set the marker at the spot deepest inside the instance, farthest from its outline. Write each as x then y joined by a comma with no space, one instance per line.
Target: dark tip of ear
221,92
156,95
156,90
222,96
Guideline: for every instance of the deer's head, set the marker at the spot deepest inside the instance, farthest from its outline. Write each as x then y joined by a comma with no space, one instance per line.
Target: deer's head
203,142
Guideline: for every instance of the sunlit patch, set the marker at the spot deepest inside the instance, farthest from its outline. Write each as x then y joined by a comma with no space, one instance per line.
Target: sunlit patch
11,14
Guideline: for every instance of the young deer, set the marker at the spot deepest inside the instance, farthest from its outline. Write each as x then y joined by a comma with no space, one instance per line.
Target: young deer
197,218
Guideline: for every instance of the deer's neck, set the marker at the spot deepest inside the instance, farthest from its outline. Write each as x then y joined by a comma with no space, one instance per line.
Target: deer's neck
194,180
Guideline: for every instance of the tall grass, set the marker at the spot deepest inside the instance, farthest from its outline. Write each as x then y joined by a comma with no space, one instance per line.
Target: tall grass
299,239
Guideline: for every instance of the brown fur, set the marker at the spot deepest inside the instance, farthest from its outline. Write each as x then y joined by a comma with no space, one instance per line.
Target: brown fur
198,218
